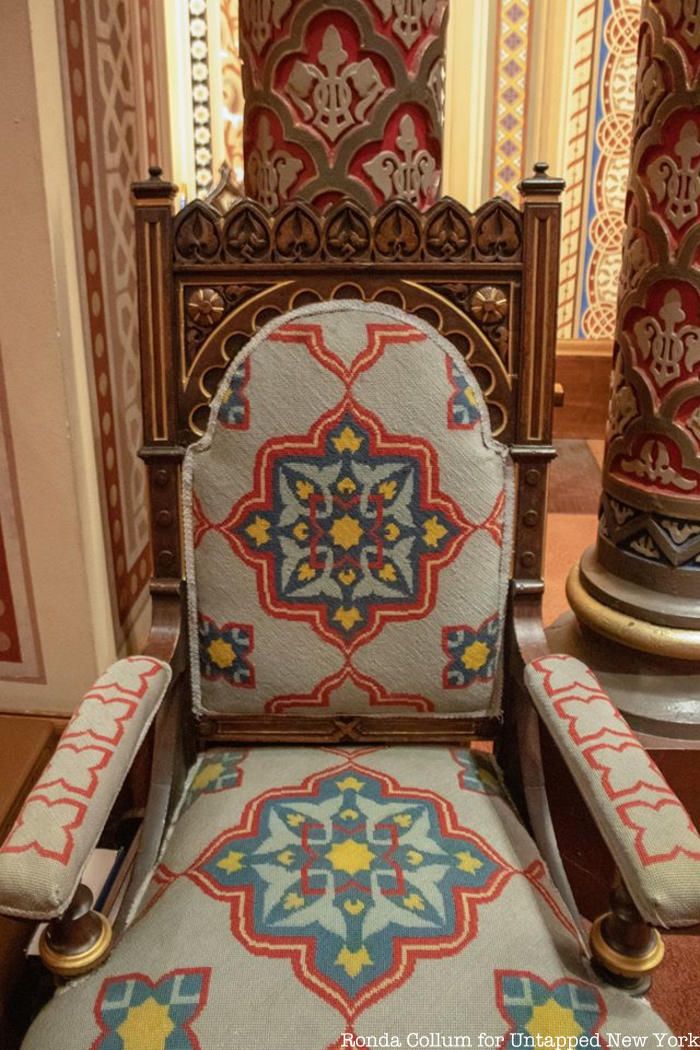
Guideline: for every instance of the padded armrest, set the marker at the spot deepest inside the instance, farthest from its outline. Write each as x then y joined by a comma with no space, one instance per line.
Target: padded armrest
43,856
647,830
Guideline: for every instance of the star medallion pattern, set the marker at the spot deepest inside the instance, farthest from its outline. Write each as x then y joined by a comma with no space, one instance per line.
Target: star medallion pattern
346,526
135,1012
567,1008
471,652
224,652
353,878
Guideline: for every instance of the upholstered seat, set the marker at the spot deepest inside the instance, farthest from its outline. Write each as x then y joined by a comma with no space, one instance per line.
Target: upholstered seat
307,893
359,568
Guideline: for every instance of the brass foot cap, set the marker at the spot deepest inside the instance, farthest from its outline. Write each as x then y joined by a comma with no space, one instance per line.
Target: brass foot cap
628,966
77,963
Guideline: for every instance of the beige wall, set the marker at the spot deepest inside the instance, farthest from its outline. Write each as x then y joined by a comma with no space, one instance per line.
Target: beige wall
48,427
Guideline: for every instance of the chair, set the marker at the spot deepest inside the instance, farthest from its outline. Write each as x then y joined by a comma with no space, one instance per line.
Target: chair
347,427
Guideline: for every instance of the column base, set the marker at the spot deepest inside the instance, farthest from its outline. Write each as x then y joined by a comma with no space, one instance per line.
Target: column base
676,643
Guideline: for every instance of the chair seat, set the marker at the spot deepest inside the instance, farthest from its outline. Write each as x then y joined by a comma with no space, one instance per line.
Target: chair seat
316,897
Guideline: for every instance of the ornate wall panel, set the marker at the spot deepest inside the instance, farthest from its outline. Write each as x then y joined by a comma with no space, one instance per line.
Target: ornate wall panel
231,76
510,97
109,65
650,515
20,652
601,73
343,99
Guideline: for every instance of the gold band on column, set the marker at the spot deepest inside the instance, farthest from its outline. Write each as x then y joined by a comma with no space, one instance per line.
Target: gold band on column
674,642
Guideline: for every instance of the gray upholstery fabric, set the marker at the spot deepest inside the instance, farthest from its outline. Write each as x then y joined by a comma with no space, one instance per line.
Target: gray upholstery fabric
43,857
648,831
348,504
311,897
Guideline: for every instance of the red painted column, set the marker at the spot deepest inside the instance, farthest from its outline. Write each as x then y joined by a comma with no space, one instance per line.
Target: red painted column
646,563
343,98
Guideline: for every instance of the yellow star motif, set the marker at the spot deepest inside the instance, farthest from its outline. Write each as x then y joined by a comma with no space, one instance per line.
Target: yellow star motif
475,656
469,863
293,901
347,440
304,489
305,572
354,907
295,819
285,857
388,572
350,784
346,532
352,962
388,489
207,775
414,902
404,820
347,618
552,1019
146,1026
433,532
259,531
232,862
221,653
350,856
414,858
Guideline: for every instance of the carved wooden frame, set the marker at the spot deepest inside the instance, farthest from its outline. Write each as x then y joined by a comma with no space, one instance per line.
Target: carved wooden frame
487,280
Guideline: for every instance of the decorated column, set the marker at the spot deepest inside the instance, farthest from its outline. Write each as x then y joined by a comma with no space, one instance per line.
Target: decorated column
641,584
343,97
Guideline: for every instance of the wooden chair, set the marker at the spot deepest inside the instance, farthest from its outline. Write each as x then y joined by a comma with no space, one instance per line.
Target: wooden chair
347,431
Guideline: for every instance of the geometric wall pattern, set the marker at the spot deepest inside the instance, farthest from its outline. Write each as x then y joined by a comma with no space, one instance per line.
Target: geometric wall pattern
607,151
20,652
109,69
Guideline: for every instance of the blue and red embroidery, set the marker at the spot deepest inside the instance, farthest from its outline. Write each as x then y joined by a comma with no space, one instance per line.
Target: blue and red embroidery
463,406
352,877
234,410
132,1008
472,653
224,652
347,527
534,1008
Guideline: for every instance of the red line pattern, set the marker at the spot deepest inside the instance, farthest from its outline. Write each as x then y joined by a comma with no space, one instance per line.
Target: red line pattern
619,765
47,825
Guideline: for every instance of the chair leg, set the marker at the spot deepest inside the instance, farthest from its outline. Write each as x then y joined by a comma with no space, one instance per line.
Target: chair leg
626,950
78,941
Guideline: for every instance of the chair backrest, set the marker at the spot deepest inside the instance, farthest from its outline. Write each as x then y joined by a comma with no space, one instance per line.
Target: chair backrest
347,504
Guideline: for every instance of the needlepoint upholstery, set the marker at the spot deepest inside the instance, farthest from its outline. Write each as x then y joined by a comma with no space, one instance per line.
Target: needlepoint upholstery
310,893
43,856
647,829
348,524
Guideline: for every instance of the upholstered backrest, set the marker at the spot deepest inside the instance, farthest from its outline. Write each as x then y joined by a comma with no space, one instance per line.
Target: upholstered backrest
348,524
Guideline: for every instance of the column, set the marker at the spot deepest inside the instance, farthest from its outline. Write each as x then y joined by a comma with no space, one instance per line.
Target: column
343,98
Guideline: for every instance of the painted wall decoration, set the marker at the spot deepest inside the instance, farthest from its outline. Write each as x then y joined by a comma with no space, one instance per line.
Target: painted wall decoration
231,76
20,651
510,97
109,57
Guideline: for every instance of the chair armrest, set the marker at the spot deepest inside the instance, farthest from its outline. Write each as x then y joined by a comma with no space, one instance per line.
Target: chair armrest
647,830
43,856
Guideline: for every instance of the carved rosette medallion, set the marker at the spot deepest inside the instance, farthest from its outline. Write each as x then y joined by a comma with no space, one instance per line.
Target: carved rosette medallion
647,559
343,99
